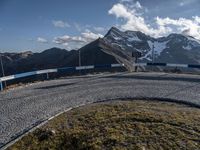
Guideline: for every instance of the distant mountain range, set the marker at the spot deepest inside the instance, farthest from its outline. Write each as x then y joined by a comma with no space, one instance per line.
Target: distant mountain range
175,48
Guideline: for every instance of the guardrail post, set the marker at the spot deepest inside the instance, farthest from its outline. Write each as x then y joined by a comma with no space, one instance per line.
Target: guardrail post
47,76
1,86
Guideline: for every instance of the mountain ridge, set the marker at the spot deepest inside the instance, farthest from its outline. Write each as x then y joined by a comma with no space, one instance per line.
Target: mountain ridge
165,47
174,48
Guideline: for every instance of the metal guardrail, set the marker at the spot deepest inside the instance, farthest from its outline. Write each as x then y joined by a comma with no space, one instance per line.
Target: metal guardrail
47,71
168,65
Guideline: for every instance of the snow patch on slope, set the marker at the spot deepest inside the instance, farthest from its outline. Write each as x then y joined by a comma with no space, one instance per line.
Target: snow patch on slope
118,45
134,38
129,45
148,56
193,39
193,42
115,37
158,46
188,47
158,49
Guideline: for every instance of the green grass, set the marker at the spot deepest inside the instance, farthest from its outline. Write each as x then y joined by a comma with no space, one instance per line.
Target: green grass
119,125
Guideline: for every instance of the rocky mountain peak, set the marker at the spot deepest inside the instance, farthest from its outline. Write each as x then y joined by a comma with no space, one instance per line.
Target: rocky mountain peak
166,49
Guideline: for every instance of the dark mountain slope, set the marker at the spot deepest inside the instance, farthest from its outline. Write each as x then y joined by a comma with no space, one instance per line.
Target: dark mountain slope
91,54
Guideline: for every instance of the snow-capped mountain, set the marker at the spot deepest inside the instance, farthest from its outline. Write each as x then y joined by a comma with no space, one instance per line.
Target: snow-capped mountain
175,48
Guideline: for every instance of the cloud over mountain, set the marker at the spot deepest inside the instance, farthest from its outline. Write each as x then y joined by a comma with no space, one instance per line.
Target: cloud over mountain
77,41
132,14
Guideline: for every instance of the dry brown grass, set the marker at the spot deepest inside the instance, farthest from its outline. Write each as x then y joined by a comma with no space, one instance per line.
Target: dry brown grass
119,125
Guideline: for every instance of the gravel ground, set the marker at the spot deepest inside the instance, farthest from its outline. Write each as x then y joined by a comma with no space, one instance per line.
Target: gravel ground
22,108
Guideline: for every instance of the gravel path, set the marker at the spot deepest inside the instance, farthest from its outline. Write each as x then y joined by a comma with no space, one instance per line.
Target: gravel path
24,107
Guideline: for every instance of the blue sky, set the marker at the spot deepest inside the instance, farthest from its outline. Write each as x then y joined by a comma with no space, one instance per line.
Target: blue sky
40,24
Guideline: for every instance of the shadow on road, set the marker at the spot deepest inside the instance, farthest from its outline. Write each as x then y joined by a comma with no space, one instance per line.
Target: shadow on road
158,78
55,86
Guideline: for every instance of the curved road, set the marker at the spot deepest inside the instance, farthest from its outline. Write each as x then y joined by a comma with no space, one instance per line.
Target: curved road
24,107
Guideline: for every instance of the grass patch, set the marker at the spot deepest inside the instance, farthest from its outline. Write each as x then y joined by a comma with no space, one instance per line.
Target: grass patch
119,125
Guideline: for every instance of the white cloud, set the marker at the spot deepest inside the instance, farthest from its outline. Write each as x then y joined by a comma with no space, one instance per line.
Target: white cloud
197,19
82,28
123,1
133,20
186,2
41,40
99,29
90,36
78,27
190,27
182,4
77,41
138,5
68,39
120,11
134,3
60,24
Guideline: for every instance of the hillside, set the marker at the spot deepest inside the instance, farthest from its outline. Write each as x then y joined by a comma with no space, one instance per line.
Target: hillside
53,58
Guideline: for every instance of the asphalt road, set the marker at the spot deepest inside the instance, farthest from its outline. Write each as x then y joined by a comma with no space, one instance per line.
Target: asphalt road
24,107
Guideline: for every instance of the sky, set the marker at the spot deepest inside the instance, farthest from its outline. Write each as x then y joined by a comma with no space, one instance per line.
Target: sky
37,25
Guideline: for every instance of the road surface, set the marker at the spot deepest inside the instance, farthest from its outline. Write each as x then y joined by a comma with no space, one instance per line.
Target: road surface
24,107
